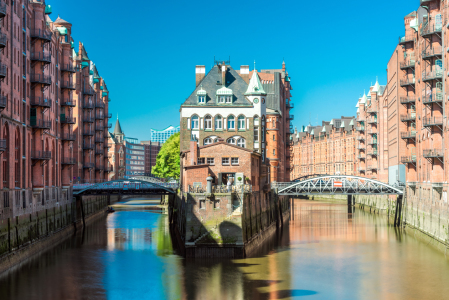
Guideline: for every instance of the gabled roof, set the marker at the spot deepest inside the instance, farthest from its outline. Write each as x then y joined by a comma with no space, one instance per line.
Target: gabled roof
61,21
255,87
209,84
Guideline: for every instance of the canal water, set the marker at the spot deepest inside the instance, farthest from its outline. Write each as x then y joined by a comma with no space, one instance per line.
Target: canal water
324,253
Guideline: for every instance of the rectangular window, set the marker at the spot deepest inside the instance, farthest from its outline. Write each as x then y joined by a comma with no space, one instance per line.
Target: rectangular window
202,99
210,160
202,204
222,99
225,161
229,99
201,160
256,134
235,161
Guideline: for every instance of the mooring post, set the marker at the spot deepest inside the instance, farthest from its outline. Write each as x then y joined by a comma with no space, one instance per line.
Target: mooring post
398,210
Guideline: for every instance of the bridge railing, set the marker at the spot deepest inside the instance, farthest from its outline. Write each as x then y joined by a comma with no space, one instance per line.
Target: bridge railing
246,188
123,185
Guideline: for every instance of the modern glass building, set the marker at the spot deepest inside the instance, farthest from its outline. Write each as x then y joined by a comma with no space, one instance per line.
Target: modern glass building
135,157
162,135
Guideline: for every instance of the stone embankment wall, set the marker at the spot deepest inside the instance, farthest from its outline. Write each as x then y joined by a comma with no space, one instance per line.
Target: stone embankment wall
228,225
31,233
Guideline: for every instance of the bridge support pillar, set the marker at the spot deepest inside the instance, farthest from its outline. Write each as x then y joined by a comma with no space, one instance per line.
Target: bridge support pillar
398,213
350,204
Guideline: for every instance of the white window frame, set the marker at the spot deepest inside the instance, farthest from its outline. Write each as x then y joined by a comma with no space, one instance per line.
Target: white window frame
241,141
233,162
241,123
195,121
210,161
202,99
233,122
221,99
207,141
231,141
201,161
218,123
223,159
228,99
208,122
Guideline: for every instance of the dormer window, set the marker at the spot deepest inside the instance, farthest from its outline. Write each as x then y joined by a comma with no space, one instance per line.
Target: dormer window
201,95
224,95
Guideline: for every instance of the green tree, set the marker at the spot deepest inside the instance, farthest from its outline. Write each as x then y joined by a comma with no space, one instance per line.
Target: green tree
168,160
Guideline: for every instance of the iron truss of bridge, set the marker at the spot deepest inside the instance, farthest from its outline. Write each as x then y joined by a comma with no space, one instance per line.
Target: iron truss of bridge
336,185
125,187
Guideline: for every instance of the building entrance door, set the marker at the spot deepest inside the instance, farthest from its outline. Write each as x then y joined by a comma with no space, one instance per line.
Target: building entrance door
227,176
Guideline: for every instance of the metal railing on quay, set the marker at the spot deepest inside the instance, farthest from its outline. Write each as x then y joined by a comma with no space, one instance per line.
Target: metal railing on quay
433,152
43,155
40,101
430,121
245,188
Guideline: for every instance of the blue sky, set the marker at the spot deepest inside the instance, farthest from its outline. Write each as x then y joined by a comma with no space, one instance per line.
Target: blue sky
147,50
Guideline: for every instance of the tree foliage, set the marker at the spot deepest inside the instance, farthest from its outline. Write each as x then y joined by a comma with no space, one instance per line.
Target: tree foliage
168,160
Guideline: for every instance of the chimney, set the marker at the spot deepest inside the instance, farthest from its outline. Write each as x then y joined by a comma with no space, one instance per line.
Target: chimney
193,152
200,72
223,74
244,73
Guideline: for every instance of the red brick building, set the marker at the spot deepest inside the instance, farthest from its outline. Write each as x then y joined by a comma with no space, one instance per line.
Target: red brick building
41,105
222,161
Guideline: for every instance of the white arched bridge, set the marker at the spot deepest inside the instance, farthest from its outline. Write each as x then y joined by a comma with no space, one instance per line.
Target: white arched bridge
336,184
125,187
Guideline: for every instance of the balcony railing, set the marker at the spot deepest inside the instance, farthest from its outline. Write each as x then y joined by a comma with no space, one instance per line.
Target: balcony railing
432,121
109,125
372,167
361,147
108,169
99,151
65,84
2,145
432,75
406,100
99,127
99,140
290,105
40,124
408,159
99,104
2,70
41,155
407,38
109,115
372,142
68,102
40,101
407,81
360,138
88,91
99,116
88,165
372,121
68,137
361,156
68,68
88,105
2,102
408,117
106,145
430,153
67,119
431,52
407,64
290,117
88,132
41,34
89,119
88,146
99,167
68,161
361,169
2,40
41,56
432,98
372,110
430,28
408,135
360,119
40,78
360,128
2,9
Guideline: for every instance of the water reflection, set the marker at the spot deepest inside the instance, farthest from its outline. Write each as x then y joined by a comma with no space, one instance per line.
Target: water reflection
324,253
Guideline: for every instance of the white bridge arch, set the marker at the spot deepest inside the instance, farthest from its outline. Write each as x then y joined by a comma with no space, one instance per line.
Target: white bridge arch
337,184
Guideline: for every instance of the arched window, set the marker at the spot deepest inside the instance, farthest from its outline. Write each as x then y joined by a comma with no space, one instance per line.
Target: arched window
231,141
195,122
208,122
207,141
5,160
17,159
216,140
218,122
241,142
241,122
231,122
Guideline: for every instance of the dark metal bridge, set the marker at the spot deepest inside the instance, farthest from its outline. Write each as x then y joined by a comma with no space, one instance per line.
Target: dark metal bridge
125,187
336,184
